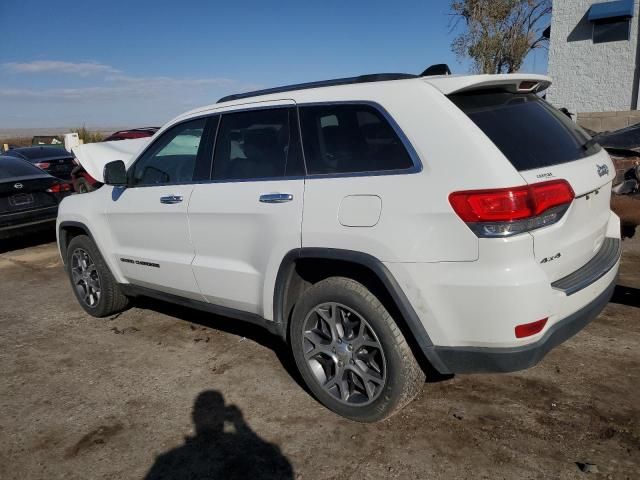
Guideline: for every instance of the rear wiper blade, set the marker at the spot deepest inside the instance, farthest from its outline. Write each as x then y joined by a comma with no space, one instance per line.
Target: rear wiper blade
590,143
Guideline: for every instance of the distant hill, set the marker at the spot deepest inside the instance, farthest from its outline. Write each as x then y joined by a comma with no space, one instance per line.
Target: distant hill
30,132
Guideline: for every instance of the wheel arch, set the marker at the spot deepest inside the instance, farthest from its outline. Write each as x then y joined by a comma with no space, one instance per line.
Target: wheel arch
301,268
68,230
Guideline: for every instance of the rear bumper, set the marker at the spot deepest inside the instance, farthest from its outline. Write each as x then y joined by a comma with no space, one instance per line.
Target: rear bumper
13,222
485,360
470,310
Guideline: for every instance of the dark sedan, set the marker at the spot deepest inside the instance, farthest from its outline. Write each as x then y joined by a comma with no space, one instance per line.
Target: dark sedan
29,197
53,160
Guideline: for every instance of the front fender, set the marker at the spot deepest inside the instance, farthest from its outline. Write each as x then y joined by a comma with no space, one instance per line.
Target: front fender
86,212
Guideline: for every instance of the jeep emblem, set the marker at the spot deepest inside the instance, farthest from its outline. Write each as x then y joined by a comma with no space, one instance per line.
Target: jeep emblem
602,170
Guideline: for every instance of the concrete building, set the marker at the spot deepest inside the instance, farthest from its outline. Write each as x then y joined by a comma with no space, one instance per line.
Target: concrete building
594,60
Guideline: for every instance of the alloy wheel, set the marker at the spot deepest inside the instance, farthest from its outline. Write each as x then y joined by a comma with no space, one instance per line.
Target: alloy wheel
86,279
344,354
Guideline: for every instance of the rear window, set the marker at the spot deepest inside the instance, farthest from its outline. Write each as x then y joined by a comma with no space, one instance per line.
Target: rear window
527,130
14,167
37,153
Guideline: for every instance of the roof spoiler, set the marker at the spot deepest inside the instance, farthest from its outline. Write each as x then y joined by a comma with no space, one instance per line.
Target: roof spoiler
514,82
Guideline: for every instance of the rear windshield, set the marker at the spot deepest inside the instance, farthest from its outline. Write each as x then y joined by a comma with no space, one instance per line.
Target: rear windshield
529,132
37,153
15,167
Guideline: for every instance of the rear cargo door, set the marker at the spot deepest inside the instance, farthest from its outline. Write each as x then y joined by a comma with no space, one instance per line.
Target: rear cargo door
544,144
569,244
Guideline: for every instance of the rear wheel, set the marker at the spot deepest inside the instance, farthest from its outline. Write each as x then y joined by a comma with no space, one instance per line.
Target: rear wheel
351,353
93,285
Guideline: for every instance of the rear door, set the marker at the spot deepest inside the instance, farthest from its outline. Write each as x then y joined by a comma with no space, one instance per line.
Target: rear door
148,219
249,216
544,144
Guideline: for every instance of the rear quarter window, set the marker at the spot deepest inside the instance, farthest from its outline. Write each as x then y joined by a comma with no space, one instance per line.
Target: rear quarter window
351,138
528,131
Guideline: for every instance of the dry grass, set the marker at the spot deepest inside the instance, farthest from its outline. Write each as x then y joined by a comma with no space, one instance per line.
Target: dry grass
88,136
17,141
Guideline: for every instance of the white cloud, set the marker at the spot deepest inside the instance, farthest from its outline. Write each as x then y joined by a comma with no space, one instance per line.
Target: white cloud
131,87
82,69
108,97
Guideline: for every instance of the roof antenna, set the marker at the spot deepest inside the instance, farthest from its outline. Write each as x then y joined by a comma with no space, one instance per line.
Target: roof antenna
438,69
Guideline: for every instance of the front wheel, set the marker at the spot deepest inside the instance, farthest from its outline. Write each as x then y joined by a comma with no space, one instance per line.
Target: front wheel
82,186
93,285
351,353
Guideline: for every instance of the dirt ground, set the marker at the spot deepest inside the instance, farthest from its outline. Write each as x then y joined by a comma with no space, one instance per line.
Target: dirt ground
166,392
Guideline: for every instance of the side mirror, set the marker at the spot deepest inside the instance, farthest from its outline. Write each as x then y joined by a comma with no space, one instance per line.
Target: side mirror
115,173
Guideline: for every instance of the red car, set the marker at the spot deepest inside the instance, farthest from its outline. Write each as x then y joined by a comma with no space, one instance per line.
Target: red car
82,181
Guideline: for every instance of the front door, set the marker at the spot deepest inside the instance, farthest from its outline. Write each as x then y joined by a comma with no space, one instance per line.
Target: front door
148,219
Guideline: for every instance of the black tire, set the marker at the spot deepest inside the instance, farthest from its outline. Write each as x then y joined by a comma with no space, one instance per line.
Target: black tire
82,186
107,299
395,385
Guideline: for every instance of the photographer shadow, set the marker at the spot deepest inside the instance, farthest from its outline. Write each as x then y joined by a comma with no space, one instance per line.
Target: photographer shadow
224,447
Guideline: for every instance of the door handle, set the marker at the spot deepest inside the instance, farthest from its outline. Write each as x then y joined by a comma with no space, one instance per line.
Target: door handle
276,198
171,199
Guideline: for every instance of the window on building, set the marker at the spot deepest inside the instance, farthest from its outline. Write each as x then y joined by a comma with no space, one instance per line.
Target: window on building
611,20
611,30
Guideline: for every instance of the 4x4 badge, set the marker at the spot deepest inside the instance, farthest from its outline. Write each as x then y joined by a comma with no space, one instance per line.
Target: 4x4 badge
602,170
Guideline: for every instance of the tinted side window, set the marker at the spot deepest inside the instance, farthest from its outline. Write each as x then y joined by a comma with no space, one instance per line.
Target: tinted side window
257,144
350,139
172,157
529,132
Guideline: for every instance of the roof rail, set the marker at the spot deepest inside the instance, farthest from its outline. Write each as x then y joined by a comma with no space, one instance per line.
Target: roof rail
375,77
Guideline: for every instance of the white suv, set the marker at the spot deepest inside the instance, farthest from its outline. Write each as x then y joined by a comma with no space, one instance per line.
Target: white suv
381,225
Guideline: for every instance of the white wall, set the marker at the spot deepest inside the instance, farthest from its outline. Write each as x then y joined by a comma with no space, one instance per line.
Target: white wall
589,77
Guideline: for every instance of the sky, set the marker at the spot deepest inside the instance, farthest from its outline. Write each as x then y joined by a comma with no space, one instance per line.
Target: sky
139,62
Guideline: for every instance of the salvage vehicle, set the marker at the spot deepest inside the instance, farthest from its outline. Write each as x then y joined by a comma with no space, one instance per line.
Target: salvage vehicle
29,197
630,184
54,160
624,141
382,225
132,133
51,140
83,182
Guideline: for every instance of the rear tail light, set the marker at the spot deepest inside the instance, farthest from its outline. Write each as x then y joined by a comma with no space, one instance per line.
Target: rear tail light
509,211
529,329
60,187
43,165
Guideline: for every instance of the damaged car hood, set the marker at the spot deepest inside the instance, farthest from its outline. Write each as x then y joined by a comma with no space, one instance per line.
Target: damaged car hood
624,139
94,156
